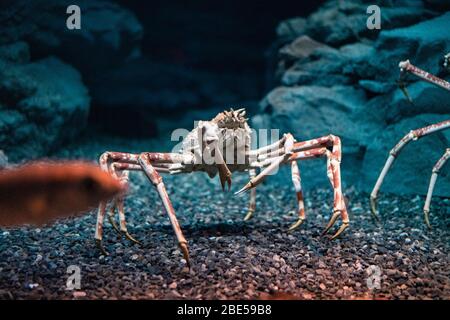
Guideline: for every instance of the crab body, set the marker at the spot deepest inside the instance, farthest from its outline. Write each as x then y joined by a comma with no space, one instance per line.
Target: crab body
226,138
222,146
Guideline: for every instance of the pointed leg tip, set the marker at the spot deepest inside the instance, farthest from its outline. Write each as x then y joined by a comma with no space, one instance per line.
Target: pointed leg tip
373,208
99,244
331,222
240,192
427,218
114,225
339,232
185,251
296,225
130,237
248,216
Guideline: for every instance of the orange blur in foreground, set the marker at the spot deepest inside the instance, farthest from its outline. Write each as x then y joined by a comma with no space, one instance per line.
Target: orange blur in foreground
41,192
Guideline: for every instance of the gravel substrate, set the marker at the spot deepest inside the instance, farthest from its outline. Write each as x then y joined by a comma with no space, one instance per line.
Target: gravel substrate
233,259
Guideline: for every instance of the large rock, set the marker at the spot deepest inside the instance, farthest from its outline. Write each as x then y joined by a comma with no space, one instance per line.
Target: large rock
312,111
334,76
340,22
426,98
326,66
42,103
424,44
109,33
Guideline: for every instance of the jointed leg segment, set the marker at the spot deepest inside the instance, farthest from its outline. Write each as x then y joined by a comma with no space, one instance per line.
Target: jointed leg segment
412,135
252,204
113,162
291,151
296,180
434,175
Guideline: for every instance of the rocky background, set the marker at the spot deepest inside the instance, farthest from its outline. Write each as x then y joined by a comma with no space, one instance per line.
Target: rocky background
133,69
333,75
136,71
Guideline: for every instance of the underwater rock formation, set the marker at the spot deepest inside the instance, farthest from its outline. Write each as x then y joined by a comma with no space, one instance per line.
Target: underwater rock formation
42,103
340,22
109,33
341,79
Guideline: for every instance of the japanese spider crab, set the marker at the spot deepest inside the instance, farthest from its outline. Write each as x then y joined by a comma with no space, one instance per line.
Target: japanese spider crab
413,135
203,149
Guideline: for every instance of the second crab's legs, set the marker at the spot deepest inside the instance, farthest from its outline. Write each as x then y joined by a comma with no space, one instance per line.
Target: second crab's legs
413,135
434,175
406,66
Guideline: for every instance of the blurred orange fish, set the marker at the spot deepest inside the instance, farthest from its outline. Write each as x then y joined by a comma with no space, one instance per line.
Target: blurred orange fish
41,192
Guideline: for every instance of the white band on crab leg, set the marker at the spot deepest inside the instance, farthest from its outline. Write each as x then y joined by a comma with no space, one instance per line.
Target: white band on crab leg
324,141
252,203
157,181
434,175
406,66
118,164
296,180
333,173
412,135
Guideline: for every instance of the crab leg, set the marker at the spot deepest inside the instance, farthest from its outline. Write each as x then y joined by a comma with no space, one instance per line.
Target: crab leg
104,161
296,180
271,167
412,135
264,150
334,174
114,162
156,179
252,204
119,201
307,150
434,175
406,66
